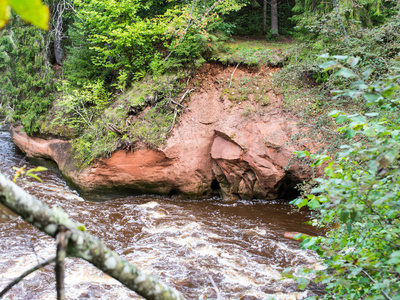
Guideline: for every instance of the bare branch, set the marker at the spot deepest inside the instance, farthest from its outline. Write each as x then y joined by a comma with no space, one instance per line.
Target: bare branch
176,107
230,83
28,272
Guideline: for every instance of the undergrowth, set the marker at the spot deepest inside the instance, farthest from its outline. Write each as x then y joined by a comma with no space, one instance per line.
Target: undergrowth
307,91
98,124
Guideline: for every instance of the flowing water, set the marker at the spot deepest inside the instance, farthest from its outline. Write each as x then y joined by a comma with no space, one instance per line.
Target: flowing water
205,249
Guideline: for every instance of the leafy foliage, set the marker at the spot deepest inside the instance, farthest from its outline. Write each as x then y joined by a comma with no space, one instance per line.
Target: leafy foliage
123,40
358,199
334,19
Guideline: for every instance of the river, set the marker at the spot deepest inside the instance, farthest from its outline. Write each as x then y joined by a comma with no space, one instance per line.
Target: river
205,249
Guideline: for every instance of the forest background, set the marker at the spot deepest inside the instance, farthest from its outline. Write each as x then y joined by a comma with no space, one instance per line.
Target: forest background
101,60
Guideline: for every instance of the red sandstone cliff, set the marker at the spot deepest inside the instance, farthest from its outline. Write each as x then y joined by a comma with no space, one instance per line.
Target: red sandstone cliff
217,147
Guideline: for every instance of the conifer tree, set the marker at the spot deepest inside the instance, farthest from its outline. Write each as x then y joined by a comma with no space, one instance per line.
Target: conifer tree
27,80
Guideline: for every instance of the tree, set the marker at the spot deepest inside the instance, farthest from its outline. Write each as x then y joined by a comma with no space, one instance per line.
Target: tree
335,19
27,82
274,17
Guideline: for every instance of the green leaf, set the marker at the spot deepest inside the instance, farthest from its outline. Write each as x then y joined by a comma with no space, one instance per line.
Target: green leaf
300,202
336,92
340,57
328,171
365,74
4,13
34,176
344,72
314,204
353,61
301,154
341,119
32,11
373,114
372,97
350,133
329,65
356,271
396,256
298,236
344,216
16,177
334,113
81,227
309,242
37,169
302,282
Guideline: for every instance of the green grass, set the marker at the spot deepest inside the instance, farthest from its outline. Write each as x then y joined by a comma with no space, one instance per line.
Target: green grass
253,53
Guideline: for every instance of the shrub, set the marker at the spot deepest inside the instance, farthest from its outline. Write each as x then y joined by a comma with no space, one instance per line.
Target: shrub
358,198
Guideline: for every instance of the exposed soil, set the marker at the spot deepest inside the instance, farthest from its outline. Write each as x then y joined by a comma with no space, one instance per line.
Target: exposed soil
215,76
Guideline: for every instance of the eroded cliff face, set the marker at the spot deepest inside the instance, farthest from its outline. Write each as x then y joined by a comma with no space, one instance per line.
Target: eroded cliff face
220,146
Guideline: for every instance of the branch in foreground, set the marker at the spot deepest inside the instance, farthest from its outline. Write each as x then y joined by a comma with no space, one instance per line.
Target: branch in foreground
30,271
81,244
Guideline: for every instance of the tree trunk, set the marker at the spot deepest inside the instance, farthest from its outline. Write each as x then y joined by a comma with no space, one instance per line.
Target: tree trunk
274,17
81,244
58,32
339,16
265,17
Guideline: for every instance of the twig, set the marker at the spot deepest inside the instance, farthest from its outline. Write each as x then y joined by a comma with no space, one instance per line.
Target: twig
76,13
28,241
177,103
18,279
176,107
184,95
230,83
383,292
62,241
215,288
114,129
212,7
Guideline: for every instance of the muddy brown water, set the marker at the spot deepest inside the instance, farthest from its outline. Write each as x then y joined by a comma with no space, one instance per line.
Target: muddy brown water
205,249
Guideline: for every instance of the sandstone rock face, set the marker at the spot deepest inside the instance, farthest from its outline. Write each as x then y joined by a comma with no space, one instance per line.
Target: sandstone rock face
217,148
